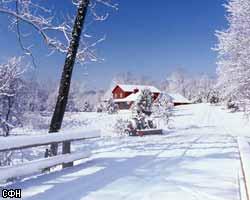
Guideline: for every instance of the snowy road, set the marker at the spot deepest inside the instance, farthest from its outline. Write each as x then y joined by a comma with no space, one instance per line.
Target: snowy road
198,159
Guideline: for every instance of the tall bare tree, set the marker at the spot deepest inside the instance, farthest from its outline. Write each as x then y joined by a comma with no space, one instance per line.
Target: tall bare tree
62,97
41,19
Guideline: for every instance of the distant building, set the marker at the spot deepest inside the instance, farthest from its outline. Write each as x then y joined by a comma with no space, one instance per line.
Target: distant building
177,99
125,95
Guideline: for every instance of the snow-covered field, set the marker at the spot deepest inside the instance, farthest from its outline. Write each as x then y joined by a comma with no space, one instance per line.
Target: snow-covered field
197,159
75,120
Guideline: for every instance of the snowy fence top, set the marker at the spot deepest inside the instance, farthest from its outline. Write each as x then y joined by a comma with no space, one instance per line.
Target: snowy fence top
21,142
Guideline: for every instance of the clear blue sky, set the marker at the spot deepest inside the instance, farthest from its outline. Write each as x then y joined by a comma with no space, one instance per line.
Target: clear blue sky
148,38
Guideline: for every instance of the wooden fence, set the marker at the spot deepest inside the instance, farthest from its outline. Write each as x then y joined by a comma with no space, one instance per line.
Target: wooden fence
31,167
244,182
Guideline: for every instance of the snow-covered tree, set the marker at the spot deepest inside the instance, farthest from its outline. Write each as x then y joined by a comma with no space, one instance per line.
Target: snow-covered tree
194,87
100,108
142,109
11,94
177,82
111,107
67,40
53,29
121,126
214,96
81,98
141,112
124,78
87,107
13,100
130,78
144,103
200,88
162,108
232,105
36,95
234,53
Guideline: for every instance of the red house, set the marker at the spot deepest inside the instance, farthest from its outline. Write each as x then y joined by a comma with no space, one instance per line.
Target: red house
125,95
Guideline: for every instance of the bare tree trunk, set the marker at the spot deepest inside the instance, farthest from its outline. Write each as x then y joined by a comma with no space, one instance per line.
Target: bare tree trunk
62,97
6,127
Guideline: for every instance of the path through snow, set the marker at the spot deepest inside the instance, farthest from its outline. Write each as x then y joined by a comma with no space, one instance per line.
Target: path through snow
198,159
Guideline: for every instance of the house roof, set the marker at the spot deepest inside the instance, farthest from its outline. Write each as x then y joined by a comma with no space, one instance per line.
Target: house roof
131,88
178,98
130,98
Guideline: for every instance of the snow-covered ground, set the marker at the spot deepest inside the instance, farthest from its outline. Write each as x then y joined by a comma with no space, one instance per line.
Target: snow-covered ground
39,123
197,159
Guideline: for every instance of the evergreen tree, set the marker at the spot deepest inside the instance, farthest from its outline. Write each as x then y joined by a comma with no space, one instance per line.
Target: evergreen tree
144,103
142,109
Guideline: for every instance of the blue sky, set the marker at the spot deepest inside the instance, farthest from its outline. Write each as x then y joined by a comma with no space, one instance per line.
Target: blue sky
150,38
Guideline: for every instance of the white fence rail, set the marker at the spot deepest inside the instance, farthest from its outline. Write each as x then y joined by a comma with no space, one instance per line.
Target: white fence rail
27,141
31,167
244,149
35,166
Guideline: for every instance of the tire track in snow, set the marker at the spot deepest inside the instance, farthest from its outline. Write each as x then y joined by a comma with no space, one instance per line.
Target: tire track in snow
178,160
216,116
205,121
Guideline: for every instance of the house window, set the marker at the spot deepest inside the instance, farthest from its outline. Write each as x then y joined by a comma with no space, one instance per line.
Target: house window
121,95
116,96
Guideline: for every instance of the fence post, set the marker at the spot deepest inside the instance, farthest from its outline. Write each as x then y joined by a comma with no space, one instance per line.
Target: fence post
66,148
46,155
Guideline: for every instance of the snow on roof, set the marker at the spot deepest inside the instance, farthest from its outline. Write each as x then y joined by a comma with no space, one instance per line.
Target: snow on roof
131,97
178,98
131,88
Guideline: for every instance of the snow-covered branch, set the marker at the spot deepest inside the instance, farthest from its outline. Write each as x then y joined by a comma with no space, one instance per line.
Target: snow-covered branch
54,31
10,90
233,49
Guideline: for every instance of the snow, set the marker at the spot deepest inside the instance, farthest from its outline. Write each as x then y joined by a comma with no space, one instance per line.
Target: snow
95,121
178,98
131,88
21,141
131,98
197,159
